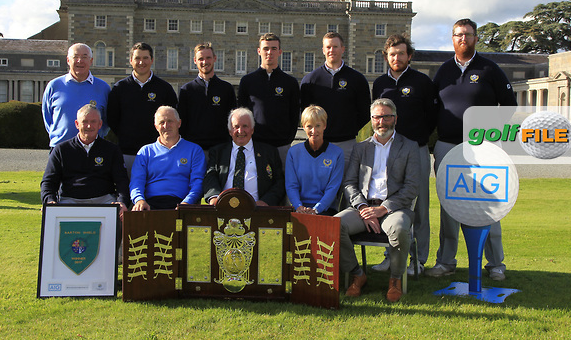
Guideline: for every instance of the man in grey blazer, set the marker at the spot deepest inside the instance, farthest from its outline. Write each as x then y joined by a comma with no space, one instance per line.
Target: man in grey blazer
263,176
381,182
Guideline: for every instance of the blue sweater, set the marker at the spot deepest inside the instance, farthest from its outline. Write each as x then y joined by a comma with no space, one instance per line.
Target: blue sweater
313,181
159,171
62,98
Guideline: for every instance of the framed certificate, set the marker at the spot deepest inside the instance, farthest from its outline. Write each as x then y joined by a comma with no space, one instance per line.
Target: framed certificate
78,250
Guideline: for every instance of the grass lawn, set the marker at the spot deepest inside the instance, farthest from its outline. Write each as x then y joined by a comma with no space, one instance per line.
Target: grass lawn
537,245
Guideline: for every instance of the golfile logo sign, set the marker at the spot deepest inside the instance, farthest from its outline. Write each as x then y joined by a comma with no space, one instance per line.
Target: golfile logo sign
477,183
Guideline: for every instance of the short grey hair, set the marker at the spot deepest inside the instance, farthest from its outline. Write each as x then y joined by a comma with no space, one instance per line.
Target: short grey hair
86,109
167,108
239,113
384,102
72,47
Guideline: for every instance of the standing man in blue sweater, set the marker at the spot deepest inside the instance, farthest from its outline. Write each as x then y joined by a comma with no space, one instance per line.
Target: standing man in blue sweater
414,95
66,94
273,96
342,91
133,102
466,80
205,103
169,171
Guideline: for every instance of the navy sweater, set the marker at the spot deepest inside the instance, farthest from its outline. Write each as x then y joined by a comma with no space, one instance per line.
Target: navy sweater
204,113
414,95
345,97
83,175
275,104
482,84
131,110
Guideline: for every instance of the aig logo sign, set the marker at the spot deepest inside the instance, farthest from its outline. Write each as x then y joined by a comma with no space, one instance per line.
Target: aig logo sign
477,183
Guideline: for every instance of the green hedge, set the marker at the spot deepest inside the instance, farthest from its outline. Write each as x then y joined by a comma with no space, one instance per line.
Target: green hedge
22,126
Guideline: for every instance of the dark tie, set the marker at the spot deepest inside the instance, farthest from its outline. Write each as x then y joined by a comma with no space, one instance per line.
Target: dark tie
239,169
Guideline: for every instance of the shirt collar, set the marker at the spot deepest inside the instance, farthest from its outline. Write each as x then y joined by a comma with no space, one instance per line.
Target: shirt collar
390,74
164,146
86,146
317,152
248,147
463,67
377,143
140,82
69,77
332,71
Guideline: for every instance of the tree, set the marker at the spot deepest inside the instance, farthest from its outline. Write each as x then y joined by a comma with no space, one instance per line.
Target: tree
546,29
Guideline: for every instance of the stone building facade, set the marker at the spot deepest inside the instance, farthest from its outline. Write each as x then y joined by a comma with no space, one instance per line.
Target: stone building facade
174,27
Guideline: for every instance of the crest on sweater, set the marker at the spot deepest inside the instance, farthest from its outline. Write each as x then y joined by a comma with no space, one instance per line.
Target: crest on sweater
405,91
279,91
183,161
474,78
216,100
98,161
152,96
93,102
342,84
327,162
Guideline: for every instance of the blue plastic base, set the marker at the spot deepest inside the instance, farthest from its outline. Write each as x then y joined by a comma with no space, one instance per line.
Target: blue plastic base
488,294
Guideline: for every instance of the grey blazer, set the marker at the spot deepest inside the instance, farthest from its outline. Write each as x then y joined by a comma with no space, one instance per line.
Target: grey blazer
403,170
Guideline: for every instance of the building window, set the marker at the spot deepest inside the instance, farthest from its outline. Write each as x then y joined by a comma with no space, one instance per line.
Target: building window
3,90
286,62
287,28
27,91
264,27
3,61
332,28
193,66
102,55
219,27
25,62
172,25
242,27
53,63
376,63
309,62
219,64
150,25
172,59
241,61
195,26
100,21
309,30
380,30
519,75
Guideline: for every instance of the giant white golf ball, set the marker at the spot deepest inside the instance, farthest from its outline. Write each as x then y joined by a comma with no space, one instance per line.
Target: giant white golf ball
544,123
477,184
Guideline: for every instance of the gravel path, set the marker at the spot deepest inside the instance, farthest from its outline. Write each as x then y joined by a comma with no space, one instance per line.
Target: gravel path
35,160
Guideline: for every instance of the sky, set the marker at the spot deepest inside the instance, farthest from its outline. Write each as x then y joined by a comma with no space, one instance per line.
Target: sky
431,27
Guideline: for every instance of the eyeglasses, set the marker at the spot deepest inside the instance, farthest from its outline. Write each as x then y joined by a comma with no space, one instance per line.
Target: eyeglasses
463,35
385,117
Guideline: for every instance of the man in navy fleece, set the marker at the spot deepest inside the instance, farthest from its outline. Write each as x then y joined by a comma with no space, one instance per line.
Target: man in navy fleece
342,91
466,80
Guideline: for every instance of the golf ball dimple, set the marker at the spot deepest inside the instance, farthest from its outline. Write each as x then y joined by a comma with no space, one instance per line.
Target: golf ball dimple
549,121
477,184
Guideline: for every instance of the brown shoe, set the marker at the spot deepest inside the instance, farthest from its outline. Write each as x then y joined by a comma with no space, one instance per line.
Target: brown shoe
395,290
354,289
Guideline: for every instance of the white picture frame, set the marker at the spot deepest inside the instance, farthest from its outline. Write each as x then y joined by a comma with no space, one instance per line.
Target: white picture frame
72,262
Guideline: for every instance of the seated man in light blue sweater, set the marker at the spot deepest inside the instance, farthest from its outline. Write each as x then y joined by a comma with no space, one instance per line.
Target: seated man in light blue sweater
170,171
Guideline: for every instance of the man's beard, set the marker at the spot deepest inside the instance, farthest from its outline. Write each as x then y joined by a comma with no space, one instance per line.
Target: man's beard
385,134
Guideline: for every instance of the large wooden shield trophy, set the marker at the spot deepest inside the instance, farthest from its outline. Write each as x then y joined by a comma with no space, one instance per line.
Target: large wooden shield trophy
232,250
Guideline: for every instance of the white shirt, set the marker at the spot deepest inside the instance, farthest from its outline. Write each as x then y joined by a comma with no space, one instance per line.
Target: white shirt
69,77
465,66
332,71
251,172
141,84
390,74
378,184
87,147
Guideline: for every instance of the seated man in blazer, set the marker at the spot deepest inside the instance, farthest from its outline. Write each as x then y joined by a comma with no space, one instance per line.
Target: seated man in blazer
381,183
258,170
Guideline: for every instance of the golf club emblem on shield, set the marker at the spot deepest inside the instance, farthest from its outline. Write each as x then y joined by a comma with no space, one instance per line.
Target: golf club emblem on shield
79,244
234,255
